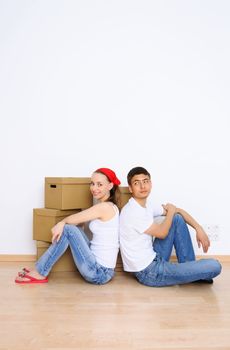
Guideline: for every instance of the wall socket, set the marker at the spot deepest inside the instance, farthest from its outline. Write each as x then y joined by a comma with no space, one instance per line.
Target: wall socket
213,232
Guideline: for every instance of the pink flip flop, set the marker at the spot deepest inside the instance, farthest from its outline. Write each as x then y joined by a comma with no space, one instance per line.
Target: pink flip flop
30,279
21,273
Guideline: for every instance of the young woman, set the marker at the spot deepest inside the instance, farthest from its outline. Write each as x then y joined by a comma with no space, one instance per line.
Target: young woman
95,259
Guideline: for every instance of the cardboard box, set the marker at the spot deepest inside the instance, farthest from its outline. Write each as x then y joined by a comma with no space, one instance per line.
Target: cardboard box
66,193
66,262
119,264
125,195
44,219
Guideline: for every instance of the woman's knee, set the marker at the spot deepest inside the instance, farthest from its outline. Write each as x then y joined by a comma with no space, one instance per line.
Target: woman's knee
70,230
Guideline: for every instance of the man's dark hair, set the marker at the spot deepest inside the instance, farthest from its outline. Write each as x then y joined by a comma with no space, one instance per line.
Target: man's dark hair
136,171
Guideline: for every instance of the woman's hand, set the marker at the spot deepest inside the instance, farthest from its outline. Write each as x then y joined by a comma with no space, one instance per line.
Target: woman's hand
202,239
57,231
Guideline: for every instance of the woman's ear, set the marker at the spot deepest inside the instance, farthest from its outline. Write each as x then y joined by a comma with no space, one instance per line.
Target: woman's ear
110,186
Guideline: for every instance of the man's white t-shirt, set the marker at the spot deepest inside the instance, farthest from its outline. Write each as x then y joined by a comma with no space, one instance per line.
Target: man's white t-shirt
135,245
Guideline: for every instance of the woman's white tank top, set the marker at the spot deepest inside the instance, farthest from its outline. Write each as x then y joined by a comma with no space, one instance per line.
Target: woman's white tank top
105,241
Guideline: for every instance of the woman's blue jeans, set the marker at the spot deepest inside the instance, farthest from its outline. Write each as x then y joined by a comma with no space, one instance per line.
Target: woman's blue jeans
161,272
75,238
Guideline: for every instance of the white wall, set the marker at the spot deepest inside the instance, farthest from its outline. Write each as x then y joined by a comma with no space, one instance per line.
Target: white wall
85,84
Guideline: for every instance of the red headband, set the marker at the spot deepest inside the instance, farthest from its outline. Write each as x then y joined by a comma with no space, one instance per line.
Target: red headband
110,175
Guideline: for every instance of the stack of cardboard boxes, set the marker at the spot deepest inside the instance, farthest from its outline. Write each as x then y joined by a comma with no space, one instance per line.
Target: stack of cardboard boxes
64,196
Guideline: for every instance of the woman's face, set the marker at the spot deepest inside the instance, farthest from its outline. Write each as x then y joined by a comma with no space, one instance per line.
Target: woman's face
100,187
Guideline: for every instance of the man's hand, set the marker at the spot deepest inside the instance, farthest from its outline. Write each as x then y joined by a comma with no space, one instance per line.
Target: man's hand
57,231
202,239
169,208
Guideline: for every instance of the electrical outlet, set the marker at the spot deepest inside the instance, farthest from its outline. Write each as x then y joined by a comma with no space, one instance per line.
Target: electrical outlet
213,232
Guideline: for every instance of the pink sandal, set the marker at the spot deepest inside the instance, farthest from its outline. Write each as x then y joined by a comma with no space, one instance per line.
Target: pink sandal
30,279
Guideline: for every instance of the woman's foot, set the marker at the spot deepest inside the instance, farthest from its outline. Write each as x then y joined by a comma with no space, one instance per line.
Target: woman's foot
24,269
26,276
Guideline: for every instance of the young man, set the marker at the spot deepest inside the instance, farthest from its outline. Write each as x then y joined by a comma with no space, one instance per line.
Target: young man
146,245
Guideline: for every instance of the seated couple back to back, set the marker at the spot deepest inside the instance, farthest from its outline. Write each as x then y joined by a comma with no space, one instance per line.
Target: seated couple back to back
145,244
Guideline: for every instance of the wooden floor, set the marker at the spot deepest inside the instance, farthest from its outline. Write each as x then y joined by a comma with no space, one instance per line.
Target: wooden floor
68,313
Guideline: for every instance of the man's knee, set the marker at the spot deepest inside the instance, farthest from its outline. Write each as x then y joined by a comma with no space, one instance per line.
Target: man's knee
178,218
217,267
211,265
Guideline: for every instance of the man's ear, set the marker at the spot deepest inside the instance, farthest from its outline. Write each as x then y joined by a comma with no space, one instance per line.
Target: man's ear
130,189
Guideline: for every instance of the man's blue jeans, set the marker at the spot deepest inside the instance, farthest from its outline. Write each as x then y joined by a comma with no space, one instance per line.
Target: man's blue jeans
161,272
84,259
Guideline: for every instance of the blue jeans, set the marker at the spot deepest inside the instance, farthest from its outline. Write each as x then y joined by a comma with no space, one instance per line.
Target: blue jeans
84,259
161,272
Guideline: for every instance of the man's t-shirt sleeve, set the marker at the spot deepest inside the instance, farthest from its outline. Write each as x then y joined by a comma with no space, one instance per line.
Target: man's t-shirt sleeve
158,210
155,209
143,224
133,222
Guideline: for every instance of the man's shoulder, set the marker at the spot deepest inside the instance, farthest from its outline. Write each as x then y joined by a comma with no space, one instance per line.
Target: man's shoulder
131,208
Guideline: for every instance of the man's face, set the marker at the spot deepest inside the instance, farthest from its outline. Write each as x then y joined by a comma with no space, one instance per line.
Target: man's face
140,186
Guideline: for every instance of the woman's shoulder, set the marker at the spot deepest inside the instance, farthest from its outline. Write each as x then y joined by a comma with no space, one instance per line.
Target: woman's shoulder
107,206
106,210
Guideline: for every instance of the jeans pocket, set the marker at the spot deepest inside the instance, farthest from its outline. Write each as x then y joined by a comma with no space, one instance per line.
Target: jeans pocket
143,274
100,274
152,274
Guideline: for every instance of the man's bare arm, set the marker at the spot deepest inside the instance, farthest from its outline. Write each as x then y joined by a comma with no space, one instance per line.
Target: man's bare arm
161,230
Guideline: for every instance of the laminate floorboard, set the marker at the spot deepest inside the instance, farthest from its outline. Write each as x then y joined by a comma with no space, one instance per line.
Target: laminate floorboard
68,313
